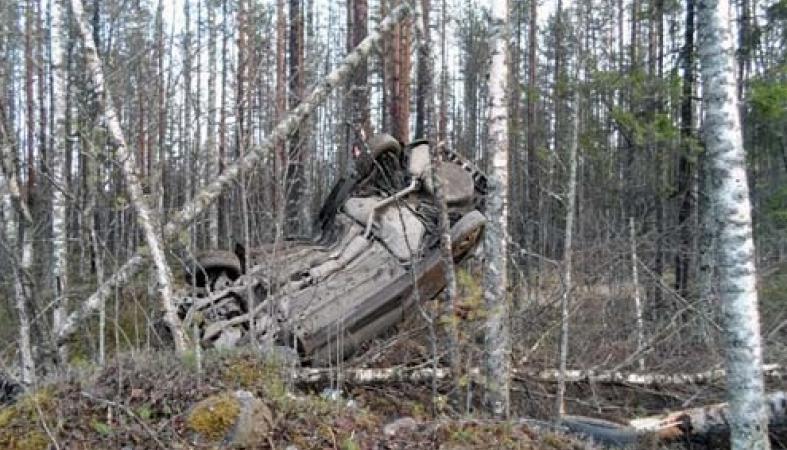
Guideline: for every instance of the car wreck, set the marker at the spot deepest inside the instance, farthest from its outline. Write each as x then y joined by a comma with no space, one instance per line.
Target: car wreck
375,250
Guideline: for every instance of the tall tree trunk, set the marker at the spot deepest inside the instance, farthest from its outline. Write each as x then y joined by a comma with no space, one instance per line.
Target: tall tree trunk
685,168
213,150
296,159
637,299
398,80
224,222
59,224
738,291
359,90
531,193
424,122
568,254
30,112
443,120
571,202
280,159
27,366
147,218
497,341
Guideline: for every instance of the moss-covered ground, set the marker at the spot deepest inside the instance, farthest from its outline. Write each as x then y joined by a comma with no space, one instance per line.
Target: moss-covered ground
149,402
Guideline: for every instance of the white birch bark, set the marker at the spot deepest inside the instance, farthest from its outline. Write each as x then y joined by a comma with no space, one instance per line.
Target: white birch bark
213,149
26,362
730,197
59,229
146,217
497,340
24,291
208,194
637,299
568,253
422,374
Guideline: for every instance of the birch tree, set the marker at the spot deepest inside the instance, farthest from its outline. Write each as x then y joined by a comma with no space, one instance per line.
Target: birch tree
26,362
59,229
571,202
147,218
14,206
730,195
497,341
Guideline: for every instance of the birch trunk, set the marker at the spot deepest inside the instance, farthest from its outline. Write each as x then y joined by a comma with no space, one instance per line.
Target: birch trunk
568,252
730,194
147,218
213,151
423,374
207,195
497,342
637,300
27,365
59,228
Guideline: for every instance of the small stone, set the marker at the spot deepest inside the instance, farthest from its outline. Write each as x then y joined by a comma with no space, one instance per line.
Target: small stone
331,394
399,425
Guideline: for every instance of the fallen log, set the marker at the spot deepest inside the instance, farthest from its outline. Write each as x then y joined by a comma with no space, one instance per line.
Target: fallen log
705,420
644,379
422,374
693,424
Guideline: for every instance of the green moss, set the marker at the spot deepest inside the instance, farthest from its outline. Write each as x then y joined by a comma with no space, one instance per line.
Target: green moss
242,372
214,416
32,440
349,444
20,424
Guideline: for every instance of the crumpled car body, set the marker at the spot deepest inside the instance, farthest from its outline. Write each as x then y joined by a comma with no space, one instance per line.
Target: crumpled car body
376,251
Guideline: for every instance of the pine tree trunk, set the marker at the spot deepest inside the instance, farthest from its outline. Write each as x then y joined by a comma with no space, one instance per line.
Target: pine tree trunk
359,90
497,341
730,192
147,218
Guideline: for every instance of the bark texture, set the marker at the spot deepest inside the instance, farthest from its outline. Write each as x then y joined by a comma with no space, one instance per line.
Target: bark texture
59,231
147,218
497,341
568,248
730,192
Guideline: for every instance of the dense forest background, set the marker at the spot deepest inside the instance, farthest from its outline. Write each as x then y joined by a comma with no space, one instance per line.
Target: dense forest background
197,84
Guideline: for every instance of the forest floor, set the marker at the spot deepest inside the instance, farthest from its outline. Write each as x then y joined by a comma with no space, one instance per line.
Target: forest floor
150,401
146,398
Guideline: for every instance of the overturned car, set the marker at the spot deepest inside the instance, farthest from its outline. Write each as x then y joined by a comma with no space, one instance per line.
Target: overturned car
376,250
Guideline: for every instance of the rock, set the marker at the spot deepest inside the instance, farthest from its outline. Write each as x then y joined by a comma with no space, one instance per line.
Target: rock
399,425
234,419
254,422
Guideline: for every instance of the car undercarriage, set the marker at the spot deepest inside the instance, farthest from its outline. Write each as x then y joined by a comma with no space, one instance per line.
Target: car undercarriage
376,250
